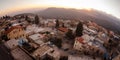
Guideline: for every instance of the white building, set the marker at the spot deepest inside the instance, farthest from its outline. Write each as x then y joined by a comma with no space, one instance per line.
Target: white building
79,41
37,38
87,42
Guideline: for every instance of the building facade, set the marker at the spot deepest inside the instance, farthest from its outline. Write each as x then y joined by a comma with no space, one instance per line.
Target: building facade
78,43
15,32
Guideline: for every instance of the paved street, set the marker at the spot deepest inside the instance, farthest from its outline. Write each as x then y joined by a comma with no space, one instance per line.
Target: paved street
4,54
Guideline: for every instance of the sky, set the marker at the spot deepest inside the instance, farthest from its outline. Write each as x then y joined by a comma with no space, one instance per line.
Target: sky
108,6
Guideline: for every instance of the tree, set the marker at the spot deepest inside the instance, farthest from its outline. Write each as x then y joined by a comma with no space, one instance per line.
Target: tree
63,57
10,24
57,42
113,43
79,29
27,19
19,21
4,37
36,19
22,16
69,34
57,23
28,47
63,25
0,17
6,17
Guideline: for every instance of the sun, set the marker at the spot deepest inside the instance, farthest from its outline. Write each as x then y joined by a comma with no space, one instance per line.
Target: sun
88,9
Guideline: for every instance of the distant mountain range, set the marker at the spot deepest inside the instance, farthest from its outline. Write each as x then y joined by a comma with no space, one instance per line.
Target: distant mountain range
101,18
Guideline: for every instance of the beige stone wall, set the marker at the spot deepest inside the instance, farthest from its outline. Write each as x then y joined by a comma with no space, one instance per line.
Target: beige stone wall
16,33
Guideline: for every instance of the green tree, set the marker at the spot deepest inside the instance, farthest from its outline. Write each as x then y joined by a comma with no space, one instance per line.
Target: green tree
63,25
6,17
4,37
36,19
27,19
79,29
57,23
70,34
57,42
63,57
19,21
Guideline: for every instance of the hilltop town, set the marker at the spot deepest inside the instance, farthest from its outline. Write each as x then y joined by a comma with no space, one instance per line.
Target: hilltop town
30,37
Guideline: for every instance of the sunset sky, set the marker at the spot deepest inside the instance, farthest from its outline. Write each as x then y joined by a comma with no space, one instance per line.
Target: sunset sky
108,6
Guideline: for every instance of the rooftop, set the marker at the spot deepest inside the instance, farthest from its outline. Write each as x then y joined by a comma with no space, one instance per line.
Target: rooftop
35,36
63,29
12,28
80,39
19,54
42,50
11,43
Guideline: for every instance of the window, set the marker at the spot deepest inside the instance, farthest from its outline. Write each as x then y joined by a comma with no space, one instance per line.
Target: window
14,32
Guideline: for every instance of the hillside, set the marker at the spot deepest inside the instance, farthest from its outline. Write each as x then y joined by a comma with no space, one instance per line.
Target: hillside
101,18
